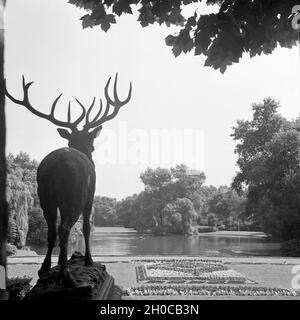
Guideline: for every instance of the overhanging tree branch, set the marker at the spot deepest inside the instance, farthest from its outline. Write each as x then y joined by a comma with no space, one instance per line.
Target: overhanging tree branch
248,26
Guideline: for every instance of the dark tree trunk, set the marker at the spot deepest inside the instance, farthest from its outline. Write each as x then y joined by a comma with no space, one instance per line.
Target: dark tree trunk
3,206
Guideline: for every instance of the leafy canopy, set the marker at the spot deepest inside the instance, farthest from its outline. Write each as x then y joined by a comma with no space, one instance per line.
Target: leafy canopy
238,26
105,211
268,159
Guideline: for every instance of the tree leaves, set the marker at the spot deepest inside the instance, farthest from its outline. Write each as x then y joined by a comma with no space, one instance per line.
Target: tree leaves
268,158
122,6
105,211
21,193
252,26
98,17
175,17
146,16
181,43
106,22
85,4
87,21
202,42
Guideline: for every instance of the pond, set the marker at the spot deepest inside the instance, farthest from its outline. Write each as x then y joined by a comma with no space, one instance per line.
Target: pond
125,241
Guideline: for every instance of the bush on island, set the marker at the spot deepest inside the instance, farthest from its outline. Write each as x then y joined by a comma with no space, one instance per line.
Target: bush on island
204,229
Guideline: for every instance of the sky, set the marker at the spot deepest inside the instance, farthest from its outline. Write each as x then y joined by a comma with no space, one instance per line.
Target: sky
180,111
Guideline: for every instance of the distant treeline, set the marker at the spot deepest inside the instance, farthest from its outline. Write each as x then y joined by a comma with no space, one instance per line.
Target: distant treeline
264,195
174,201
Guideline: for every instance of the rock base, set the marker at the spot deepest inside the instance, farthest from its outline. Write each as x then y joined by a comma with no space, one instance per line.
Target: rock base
90,283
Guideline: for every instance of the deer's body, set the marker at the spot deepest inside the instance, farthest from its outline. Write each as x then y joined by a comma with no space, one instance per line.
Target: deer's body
66,181
66,177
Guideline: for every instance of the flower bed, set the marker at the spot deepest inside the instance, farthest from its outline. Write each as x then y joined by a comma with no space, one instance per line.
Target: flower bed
141,274
207,290
176,260
188,271
161,273
194,267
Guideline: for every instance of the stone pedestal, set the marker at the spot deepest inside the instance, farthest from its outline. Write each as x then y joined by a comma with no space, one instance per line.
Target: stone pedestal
91,283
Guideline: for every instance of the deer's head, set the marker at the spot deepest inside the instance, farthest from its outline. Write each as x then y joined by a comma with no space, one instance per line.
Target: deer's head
82,140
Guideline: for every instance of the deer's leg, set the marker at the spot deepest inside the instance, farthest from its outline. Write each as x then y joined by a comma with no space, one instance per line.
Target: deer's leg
63,244
87,229
51,217
68,219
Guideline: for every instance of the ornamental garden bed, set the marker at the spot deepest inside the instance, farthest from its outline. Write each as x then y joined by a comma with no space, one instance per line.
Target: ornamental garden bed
188,272
207,290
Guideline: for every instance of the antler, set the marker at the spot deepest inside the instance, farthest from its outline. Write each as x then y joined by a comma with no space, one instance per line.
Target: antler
117,104
26,103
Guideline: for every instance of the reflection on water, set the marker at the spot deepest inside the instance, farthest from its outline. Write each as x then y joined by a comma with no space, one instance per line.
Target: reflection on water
122,241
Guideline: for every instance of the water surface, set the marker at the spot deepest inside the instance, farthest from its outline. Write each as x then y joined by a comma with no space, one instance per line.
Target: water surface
125,241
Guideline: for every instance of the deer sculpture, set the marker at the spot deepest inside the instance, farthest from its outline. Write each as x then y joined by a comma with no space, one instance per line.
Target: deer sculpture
66,177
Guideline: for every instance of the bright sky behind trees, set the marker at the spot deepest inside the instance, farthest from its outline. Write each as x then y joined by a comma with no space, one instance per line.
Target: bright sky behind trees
46,43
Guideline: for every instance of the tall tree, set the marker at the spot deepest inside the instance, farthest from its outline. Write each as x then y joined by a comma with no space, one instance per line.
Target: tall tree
164,190
269,153
180,215
156,195
105,211
227,205
237,26
252,136
21,192
188,186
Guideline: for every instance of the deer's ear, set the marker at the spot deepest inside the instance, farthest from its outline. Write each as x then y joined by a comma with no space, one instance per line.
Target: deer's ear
95,133
64,133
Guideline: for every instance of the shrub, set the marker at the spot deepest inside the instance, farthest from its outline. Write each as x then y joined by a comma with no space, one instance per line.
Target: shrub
37,232
291,248
212,220
18,287
11,249
204,229
222,227
199,220
160,231
244,227
191,231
